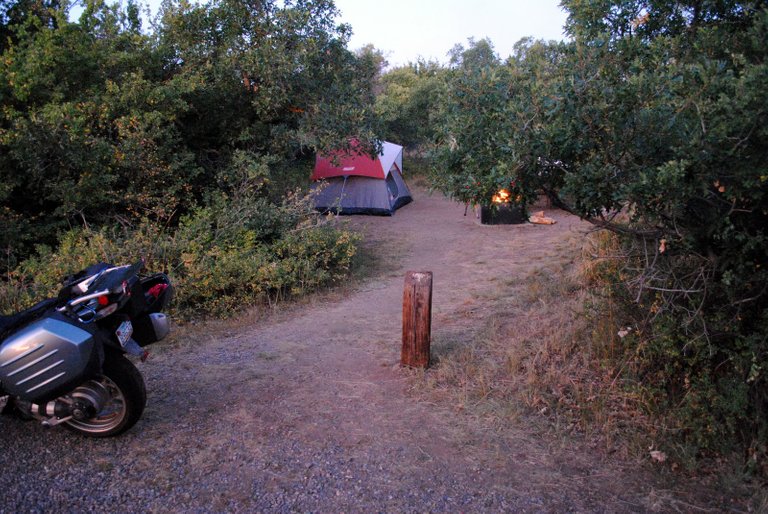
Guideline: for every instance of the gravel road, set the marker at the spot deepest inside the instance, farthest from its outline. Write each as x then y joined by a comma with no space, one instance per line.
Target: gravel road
308,411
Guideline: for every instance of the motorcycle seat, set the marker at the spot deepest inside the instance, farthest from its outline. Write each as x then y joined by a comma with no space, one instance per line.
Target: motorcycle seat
14,321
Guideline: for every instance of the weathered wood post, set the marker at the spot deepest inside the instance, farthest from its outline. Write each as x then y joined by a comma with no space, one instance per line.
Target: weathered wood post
417,319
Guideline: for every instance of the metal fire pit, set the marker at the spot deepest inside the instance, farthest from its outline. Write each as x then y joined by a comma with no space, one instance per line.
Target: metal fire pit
502,214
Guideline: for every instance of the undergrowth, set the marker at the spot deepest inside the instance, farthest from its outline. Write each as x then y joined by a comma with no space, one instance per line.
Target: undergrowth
564,345
234,253
541,351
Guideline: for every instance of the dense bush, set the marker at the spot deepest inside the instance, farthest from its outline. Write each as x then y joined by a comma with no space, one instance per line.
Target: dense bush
102,120
236,253
180,144
408,105
488,107
670,151
651,123
245,252
697,372
474,162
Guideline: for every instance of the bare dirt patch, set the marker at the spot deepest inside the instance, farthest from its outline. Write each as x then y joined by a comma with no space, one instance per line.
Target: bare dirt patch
308,410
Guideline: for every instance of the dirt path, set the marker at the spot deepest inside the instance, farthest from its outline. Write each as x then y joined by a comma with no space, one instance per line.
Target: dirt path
309,411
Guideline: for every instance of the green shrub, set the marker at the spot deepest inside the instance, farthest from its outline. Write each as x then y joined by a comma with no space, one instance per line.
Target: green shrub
222,258
698,372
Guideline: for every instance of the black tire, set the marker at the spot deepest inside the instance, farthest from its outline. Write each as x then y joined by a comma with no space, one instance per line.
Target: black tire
128,396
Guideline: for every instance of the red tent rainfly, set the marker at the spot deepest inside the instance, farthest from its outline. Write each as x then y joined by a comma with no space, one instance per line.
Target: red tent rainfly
359,184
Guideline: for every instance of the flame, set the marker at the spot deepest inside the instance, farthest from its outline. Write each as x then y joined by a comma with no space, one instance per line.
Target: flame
501,197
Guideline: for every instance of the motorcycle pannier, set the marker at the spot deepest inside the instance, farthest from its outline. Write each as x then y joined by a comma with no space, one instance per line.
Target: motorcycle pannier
47,358
151,325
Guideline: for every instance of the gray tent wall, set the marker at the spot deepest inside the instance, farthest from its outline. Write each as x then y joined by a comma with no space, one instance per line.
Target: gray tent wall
362,195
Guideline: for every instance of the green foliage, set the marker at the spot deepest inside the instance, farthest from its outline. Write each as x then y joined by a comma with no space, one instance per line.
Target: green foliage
181,145
475,158
40,275
236,253
273,79
408,105
671,138
101,121
651,122
243,250
705,410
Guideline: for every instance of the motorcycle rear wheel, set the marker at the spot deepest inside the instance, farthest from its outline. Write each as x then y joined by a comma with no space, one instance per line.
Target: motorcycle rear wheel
128,397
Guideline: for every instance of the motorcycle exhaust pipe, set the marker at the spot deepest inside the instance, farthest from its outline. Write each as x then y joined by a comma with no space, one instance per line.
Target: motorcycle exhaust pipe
57,408
51,413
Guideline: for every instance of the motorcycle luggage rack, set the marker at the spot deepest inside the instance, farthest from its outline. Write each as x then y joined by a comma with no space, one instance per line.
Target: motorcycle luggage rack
69,307
83,299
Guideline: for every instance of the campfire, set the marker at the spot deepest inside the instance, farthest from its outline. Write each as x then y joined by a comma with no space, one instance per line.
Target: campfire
501,197
502,211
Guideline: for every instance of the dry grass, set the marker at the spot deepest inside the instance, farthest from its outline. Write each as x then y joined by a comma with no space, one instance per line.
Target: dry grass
549,352
543,349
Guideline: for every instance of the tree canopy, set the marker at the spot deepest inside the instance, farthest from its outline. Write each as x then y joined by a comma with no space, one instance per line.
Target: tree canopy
101,119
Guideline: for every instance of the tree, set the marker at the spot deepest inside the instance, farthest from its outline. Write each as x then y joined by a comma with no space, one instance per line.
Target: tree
99,120
650,123
475,158
15,13
659,132
374,63
477,56
409,102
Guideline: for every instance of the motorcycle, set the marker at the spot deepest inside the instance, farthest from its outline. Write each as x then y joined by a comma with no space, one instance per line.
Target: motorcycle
63,361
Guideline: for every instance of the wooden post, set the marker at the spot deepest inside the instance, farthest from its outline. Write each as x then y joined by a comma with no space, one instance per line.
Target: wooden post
417,319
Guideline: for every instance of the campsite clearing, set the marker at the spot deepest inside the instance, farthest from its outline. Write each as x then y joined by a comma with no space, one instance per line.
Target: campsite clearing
308,410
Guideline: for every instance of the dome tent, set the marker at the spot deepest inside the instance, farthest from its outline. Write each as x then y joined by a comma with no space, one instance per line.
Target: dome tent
358,184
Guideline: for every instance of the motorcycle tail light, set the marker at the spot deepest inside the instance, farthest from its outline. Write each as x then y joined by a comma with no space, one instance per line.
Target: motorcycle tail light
103,300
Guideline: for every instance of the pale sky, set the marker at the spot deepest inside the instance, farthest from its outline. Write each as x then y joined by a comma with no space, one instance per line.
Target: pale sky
408,29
